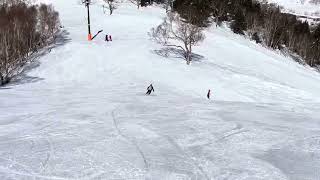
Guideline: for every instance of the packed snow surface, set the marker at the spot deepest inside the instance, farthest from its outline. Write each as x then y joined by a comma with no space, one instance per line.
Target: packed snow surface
81,113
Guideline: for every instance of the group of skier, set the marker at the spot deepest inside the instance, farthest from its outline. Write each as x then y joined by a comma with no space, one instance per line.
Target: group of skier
150,89
108,38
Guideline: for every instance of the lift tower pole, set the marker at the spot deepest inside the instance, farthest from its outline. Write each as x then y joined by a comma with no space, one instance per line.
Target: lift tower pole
87,3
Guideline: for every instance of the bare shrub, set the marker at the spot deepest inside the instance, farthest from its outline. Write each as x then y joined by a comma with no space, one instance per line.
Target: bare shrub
21,36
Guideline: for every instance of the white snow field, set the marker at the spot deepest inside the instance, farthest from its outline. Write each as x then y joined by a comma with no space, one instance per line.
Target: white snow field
82,113
310,8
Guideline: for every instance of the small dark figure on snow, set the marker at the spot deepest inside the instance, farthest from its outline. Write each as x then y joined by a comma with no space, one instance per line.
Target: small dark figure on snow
150,89
209,94
108,38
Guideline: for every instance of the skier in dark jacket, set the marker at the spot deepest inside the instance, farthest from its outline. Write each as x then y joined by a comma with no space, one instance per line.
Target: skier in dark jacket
209,94
108,38
150,89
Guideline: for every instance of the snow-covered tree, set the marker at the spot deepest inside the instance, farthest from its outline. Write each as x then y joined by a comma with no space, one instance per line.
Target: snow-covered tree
174,31
136,2
111,5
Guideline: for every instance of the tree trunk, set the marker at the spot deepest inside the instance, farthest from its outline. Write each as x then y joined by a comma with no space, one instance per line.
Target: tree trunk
1,80
110,8
187,52
188,58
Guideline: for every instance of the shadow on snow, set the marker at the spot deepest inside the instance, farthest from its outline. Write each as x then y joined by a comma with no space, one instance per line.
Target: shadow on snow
169,52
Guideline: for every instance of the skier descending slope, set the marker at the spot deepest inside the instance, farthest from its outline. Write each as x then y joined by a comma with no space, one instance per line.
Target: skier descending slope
150,89
209,94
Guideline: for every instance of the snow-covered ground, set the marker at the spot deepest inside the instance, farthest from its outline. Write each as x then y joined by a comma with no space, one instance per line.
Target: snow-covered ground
82,114
309,8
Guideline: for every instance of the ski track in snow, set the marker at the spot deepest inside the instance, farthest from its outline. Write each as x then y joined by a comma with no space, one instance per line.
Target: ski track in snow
185,154
131,140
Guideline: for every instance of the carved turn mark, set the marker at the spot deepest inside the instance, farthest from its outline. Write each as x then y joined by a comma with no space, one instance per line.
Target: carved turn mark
131,140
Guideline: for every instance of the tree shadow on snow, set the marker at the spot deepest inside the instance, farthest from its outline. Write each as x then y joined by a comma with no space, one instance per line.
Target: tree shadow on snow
3,88
169,52
22,78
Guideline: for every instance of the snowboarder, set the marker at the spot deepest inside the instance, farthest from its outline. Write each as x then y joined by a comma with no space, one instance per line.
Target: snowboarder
209,94
150,89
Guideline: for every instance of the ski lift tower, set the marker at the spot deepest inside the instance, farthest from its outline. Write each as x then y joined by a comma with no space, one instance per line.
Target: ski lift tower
87,4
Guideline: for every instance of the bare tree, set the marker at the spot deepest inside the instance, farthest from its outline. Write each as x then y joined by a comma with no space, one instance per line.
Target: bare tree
218,11
136,2
21,29
49,21
111,5
168,5
176,32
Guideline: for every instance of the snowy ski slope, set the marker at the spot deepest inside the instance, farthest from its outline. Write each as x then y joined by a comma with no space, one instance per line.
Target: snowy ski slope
82,113
300,7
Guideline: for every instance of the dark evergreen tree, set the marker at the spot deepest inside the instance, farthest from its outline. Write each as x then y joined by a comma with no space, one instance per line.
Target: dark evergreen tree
238,24
256,38
196,12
